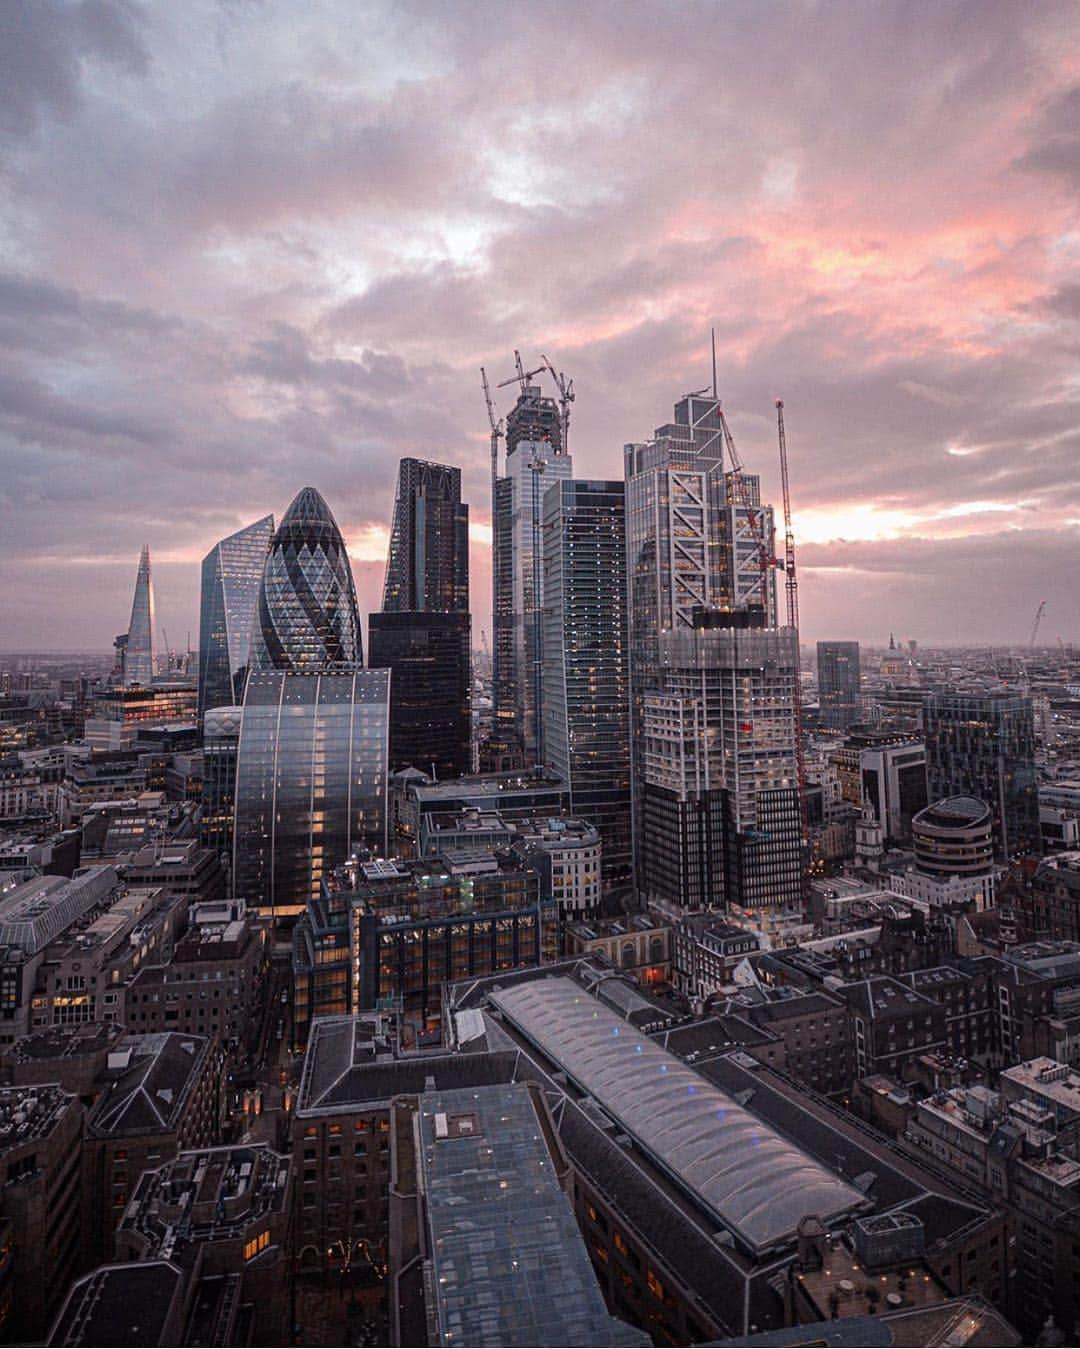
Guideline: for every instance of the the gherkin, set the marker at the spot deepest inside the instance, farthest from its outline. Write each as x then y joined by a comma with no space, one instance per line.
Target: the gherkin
307,618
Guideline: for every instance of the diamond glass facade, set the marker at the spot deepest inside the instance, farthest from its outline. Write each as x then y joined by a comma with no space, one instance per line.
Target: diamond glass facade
308,618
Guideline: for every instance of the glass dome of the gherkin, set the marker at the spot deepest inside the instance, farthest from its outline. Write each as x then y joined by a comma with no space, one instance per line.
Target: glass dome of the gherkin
307,618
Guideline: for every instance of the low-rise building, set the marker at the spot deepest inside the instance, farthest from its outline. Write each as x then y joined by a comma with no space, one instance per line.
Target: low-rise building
705,952
40,1190
224,1217
161,1094
638,944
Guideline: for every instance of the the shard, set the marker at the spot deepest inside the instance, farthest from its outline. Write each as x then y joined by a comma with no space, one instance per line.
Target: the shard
139,654
307,620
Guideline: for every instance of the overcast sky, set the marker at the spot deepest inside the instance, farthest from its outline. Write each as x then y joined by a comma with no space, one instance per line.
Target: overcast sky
248,246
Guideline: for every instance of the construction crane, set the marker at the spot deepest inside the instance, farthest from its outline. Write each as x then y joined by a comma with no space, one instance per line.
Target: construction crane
566,397
754,514
1035,626
523,376
791,588
496,436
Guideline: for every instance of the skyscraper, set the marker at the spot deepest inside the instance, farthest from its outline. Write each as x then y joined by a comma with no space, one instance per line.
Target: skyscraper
712,680
535,458
428,564
307,618
311,775
423,635
839,684
311,760
586,714
139,667
983,745
231,578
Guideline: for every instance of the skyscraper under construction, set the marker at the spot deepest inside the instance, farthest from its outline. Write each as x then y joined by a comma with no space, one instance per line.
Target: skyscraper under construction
535,458
712,678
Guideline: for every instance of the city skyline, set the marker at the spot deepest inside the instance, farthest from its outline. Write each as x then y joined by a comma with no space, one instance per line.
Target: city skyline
306,249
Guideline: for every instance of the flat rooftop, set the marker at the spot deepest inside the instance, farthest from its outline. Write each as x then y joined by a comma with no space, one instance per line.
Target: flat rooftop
509,1265
754,1181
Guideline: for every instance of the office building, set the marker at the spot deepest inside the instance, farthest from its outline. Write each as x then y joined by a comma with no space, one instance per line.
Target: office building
720,821
139,665
535,459
885,772
586,711
423,635
232,574
839,684
397,930
311,775
954,856
428,564
221,739
308,619
712,682
983,745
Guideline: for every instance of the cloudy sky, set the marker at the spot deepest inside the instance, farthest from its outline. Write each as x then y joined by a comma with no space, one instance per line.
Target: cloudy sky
247,246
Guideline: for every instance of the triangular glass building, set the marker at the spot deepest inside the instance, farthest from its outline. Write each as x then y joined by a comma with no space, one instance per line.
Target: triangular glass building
232,575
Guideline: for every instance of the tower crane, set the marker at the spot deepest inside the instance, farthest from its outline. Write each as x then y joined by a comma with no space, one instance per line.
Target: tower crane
1035,626
791,588
566,397
523,376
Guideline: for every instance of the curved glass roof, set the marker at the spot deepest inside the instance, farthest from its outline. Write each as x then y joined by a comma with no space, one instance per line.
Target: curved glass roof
756,1183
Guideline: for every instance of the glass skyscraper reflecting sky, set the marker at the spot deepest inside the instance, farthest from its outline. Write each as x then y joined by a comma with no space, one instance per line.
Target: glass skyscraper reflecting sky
308,618
586,709
232,574
311,779
139,653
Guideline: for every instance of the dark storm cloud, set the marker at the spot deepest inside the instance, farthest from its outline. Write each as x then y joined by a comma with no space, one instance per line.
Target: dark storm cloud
245,247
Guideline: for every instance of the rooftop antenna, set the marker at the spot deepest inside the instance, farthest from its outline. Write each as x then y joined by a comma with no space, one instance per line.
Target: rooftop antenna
714,393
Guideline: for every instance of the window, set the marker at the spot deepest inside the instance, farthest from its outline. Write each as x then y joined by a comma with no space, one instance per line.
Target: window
256,1244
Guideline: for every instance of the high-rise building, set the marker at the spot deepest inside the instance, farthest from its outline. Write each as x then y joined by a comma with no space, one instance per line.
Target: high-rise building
221,736
712,680
308,620
138,665
839,684
423,635
535,458
983,745
586,691
311,780
428,564
232,574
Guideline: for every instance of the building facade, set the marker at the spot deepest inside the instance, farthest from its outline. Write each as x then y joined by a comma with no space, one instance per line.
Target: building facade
712,722
586,690
308,618
839,684
535,459
424,633
311,775
983,745
232,574
139,664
